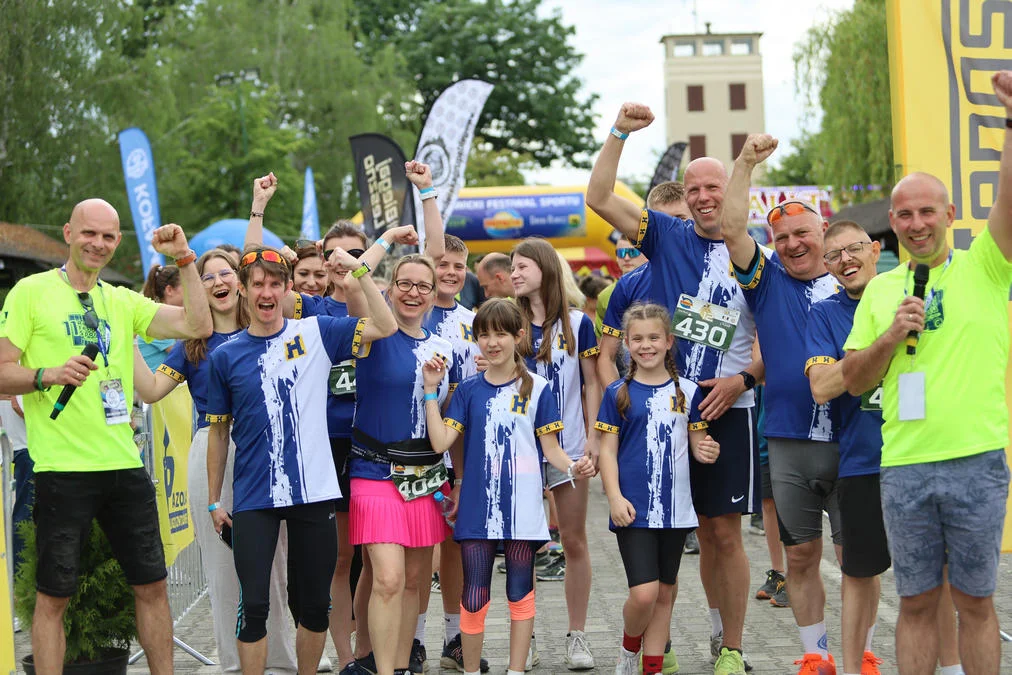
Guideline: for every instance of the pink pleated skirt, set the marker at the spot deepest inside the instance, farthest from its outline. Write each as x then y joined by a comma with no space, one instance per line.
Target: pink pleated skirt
379,515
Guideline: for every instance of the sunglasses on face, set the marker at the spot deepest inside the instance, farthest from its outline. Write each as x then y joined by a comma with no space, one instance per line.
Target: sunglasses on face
266,255
225,275
353,252
627,252
791,208
853,250
405,286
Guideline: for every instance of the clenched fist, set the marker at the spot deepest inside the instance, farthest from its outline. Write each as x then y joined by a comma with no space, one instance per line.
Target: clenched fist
757,148
633,117
1002,83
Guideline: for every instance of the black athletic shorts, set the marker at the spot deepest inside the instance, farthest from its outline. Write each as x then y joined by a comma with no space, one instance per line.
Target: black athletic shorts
732,483
651,554
865,547
340,449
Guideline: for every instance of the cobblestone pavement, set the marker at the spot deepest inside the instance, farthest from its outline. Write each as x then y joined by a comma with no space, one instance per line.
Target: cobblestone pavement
771,637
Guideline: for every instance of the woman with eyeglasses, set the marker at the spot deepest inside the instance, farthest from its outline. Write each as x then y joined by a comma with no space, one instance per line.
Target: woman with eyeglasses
188,362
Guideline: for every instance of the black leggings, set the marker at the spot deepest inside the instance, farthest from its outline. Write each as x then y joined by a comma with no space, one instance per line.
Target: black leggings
478,558
650,554
312,544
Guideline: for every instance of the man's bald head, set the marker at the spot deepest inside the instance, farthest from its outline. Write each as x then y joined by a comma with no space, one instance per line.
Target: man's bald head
92,210
705,180
705,165
920,180
493,274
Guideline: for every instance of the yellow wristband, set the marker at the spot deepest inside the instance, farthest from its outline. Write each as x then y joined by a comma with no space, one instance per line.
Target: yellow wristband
361,271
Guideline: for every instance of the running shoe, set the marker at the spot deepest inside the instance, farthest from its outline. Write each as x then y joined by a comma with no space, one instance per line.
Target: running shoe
418,660
779,597
578,656
436,588
354,668
766,591
814,664
670,666
325,665
533,657
367,663
556,571
755,525
716,642
628,663
691,544
730,662
870,664
452,657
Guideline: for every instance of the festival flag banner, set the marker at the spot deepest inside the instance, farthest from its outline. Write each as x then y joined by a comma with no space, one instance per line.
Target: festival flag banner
7,660
667,168
310,215
383,187
172,432
446,142
946,119
142,191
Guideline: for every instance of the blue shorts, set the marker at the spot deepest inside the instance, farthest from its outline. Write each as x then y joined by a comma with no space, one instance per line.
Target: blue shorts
733,483
946,512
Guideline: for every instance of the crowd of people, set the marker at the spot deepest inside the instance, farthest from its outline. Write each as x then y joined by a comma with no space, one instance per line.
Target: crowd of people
352,432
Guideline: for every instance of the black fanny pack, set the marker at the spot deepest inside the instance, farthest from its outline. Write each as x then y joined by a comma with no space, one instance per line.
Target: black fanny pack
412,452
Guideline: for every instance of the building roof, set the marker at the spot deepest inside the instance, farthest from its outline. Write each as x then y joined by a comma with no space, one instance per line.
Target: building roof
683,36
21,241
873,216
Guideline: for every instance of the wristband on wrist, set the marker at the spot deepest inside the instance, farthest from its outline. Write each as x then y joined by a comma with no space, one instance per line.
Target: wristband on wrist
213,507
361,271
185,260
384,243
38,380
618,134
431,194
425,191
431,397
254,214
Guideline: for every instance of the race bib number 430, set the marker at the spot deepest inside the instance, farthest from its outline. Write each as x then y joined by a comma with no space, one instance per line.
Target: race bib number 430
704,322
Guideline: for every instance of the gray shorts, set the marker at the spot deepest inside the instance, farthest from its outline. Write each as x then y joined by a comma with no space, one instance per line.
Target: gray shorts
553,478
950,511
803,474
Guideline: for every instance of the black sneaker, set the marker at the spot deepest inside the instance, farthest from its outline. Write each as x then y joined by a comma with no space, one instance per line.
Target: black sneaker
766,591
417,660
452,657
554,572
366,663
691,544
354,668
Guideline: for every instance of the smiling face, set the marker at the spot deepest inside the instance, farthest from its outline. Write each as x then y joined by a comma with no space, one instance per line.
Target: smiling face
264,293
348,243
705,180
309,276
526,276
648,341
92,234
451,272
221,284
410,306
798,240
920,215
852,269
498,346
628,263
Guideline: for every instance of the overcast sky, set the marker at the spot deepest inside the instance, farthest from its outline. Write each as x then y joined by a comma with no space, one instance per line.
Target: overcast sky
623,61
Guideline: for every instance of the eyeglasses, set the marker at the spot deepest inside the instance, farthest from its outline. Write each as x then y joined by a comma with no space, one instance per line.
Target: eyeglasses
225,275
405,286
791,208
353,252
832,257
90,317
627,252
267,255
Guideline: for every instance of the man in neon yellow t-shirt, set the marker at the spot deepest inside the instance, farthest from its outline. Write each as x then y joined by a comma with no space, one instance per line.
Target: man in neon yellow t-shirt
86,463
944,478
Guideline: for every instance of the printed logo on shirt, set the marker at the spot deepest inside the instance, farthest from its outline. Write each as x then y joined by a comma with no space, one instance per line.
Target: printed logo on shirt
79,332
934,314
519,405
561,342
675,407
295,348
466,334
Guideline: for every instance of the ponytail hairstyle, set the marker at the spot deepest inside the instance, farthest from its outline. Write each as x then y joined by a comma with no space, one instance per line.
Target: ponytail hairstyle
647,312
159,278
553,297
196,348
499,314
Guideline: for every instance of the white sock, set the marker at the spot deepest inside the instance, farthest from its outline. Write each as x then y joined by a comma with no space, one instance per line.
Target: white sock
814,639
474,673
514,672
956,669
420,628
452,627
871,634
716,625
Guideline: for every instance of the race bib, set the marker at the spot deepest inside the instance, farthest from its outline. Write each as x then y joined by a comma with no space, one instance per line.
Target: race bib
418,481
704,322
342,378
871,400
114,402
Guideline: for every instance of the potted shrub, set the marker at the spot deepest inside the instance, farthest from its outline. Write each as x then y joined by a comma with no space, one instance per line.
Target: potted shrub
100,621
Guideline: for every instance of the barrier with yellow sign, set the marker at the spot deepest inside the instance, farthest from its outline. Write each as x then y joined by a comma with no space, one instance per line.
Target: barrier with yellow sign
171,433
946,119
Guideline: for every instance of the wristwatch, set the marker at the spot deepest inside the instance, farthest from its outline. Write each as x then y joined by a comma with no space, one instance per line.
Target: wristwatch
749,380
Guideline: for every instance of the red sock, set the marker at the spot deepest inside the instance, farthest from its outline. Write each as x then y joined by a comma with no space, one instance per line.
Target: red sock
631,643
652,664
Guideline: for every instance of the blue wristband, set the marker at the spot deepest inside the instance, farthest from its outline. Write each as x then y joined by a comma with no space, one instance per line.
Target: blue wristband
618,134
425,191
431,397
384,243
213,507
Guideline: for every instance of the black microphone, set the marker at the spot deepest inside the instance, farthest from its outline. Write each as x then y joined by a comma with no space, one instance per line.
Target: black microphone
921,273
91,351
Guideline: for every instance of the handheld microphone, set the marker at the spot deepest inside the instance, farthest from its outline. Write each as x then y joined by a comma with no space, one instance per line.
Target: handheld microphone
91,351
921,273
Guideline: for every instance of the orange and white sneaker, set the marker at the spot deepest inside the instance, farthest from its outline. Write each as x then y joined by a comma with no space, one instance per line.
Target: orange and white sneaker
870,664
814,664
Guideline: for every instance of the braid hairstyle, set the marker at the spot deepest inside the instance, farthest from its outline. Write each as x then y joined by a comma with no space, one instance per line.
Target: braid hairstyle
553,297
646,312
499,314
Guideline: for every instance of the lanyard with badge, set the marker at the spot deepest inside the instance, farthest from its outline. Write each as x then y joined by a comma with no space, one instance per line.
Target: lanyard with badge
114,401
911,384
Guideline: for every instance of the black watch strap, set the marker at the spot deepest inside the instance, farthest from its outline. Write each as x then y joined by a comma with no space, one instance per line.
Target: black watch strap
749,380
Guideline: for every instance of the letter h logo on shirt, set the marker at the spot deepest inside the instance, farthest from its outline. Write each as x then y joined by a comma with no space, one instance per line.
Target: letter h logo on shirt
519,405
295,348
466,333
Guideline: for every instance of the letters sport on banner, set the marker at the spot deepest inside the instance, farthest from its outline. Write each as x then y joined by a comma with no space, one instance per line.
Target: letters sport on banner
382,183
446,141
142,191
946,119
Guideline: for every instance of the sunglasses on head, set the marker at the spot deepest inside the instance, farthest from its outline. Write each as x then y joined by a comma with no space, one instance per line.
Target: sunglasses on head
627,252
791,208
267,255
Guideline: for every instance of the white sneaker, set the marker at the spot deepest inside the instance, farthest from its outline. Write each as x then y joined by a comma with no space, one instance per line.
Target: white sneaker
716,642
628,662
533,658
17,625
325,665
578,656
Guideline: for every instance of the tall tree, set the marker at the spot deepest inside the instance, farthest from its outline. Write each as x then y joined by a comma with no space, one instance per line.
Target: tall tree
487,167
842,68
537,106
798,165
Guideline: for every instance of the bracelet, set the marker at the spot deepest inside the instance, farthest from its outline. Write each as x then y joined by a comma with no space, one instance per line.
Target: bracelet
431,397
428,195
618,134
213,507
425,191
254,214
361,271
569,470
384,243
185,260
38,380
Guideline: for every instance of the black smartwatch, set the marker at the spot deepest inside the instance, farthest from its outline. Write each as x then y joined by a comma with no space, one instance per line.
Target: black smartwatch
749,380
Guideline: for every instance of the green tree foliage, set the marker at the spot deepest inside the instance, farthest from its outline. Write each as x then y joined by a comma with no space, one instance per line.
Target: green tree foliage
844,67
536,106
798,165
488,167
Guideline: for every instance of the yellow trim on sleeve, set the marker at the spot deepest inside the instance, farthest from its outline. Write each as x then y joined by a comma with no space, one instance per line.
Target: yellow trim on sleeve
454,424
356,343
613,332
297,314
698,426
453,387
644,221
607,428
172,373
587,353
818,361
218,419
548,428
756,276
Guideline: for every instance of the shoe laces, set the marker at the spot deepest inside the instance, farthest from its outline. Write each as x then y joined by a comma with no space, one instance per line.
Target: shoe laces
577,642
873,662
810,664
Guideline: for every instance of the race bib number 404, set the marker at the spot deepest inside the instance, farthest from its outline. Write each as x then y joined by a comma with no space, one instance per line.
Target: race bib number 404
418,481
704,322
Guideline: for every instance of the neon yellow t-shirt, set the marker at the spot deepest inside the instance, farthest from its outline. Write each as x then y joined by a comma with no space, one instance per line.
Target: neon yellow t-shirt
603,298
43,317
962,352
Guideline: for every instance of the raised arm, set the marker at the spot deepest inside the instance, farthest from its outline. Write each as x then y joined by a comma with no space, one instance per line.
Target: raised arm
734,212
193,319
999,222
621,213
151,387
263,189
381,322
421,177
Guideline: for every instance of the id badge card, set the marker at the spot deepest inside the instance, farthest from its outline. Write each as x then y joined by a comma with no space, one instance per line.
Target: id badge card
342,378
704,322
114,402
911,397
418,481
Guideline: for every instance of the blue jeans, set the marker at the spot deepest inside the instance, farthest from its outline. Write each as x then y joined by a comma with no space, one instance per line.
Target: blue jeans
24,498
